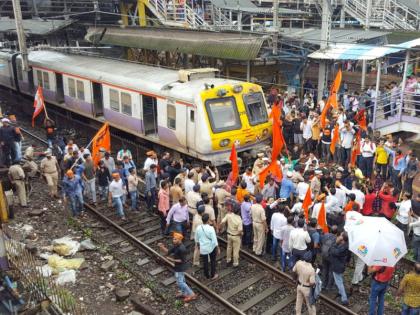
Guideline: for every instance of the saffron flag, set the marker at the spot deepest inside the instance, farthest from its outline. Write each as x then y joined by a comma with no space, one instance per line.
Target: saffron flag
102,139
360,118
334,139
332,99
39,104
272,168
234,161
322,218
307,201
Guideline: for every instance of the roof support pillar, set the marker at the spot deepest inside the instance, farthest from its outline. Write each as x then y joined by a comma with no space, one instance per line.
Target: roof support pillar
378,81
141,11
325,37
404,82
239,21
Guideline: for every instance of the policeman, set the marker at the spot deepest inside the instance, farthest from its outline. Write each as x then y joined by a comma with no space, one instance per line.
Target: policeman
29,166
50,170
259,225
234,231
17,178
221,194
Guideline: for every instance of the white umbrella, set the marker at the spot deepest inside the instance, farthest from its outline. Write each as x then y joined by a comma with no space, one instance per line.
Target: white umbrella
377,241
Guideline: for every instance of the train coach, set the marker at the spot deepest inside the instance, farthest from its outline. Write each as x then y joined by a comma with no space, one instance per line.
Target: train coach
189,111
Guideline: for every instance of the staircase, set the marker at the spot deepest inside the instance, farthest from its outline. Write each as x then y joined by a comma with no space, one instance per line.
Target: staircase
217,18
385,14
176,13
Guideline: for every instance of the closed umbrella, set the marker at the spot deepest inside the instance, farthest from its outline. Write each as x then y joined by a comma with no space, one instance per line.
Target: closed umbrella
377,241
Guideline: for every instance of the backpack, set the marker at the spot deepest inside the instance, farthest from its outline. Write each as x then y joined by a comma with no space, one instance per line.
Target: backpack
326,245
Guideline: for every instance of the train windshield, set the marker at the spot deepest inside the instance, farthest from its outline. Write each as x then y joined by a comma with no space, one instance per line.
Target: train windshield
255,108
223,114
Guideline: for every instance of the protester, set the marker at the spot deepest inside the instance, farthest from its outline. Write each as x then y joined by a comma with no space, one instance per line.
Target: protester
339,257
116,195
409,289
73,193
205,237
381,276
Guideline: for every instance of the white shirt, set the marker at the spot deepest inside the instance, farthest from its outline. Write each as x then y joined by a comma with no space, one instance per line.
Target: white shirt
188,185
85,151
309,162
333,204
297,208
360,197
416,226
341,197
298,239
278,220
301,190
306,130
368,149
74,146
347,138
249,180
149,161
404,211
116,188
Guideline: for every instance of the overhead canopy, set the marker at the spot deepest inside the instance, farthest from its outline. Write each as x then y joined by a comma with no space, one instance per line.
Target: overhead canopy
360,51
202,43
33,26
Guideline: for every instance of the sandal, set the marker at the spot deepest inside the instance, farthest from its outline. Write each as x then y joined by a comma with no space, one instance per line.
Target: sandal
190,298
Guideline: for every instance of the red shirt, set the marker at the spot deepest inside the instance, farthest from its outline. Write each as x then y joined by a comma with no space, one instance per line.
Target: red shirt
386,200
383,274
368,205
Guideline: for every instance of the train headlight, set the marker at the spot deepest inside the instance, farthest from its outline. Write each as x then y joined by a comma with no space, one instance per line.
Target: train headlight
221,92
224,142
265,132
237,88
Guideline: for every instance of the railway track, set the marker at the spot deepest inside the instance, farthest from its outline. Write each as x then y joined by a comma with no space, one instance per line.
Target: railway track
256,287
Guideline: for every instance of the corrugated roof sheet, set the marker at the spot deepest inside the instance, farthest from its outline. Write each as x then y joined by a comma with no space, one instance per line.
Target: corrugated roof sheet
34,26
313,35
212,44
360,51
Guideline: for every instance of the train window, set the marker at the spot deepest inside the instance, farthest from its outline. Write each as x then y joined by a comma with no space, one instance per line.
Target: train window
192,117
72,87
223,114
255,108
114,100
39,77
126,103
80,90
171,115
46,80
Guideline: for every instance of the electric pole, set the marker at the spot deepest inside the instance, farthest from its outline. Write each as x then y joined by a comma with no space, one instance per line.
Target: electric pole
20,34
325,38
275,25
367,25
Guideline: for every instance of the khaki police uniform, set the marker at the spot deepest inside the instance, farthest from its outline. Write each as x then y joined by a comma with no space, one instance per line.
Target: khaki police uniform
234,233
258,226
221,194
17,177
207,188
192,199
50,171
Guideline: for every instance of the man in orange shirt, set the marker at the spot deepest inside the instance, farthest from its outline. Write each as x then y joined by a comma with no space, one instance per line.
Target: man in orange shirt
241,192
352,205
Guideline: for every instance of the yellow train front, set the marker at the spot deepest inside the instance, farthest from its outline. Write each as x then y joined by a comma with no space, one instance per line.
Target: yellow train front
232,113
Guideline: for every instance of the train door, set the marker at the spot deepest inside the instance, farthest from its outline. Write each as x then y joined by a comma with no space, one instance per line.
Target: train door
31,80
150,115
60,88
190,132
98,105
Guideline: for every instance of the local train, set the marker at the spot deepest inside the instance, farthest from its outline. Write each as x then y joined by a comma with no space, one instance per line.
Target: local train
189,111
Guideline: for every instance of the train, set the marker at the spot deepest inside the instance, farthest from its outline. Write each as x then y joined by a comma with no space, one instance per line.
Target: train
192,112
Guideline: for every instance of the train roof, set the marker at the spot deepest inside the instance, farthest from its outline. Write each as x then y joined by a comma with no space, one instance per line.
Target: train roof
150,79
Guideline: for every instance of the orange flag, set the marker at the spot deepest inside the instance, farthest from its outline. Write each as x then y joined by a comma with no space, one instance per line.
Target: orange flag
360,118
322,218
334,139
102,139
235,167
332,99
39,104
272,168
307,201
355,151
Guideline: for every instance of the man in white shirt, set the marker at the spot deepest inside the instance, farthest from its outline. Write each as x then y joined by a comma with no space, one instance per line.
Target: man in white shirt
298,240
250,180
189,183
278,220
360,196
306,127
368,149
346,137
302,188
151,159
71,145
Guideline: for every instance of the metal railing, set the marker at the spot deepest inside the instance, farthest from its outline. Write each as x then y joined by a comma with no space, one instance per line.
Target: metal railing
180,13
41,288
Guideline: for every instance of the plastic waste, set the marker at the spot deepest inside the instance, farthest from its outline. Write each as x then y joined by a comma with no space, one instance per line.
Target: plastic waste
67,276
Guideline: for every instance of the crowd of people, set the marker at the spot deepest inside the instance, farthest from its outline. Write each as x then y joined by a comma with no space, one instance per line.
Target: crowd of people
267,218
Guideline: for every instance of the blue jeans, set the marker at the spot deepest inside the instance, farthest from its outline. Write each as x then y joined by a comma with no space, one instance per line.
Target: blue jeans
17,151
377,296
177,226
133,197
50,143
103,192
151,200
118,202
91,189
276,243
408,310
339,282
76,204
182,285
286,258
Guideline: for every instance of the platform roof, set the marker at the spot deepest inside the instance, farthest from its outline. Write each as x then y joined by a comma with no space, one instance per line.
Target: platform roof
238,46
39,27
360,51
313,35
